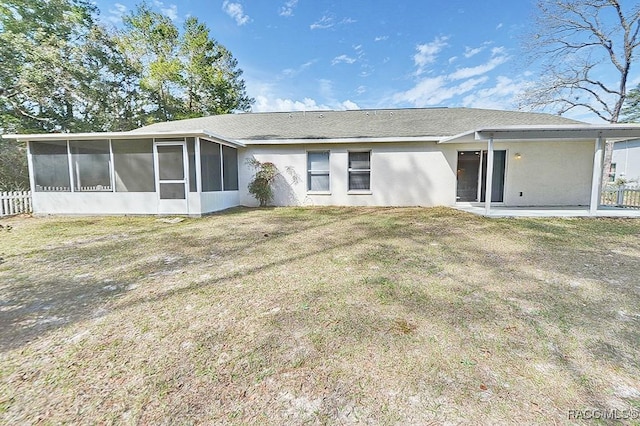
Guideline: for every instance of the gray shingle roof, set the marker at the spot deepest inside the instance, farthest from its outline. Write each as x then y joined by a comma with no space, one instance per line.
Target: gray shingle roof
381,123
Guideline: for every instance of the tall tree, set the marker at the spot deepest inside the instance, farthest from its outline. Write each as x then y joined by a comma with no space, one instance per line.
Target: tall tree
631,109
586,49
57,65
150,40
182,75
211,74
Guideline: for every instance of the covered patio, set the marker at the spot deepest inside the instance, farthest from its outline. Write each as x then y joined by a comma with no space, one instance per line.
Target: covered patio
599,134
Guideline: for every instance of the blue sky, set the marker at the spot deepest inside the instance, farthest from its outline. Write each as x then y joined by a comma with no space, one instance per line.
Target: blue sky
350,54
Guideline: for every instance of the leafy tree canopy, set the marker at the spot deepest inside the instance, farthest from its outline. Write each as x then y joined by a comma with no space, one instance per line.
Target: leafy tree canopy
61,71
631,110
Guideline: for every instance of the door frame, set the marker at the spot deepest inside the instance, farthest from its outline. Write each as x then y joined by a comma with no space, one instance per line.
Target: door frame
172,206
481,173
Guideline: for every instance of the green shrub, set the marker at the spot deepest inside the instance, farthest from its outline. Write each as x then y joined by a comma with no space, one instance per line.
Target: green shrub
261,184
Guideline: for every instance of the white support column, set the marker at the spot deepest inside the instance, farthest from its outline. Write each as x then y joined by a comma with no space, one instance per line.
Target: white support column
112,167
32,171
488,186
198,162
596,177
70,164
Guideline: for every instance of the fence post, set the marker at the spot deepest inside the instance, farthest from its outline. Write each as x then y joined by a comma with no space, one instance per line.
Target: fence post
620,197
15,202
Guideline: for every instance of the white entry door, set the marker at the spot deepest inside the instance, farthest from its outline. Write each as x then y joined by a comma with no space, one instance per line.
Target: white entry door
171,177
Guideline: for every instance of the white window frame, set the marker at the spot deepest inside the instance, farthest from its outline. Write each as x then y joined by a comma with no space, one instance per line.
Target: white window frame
319,172
351,169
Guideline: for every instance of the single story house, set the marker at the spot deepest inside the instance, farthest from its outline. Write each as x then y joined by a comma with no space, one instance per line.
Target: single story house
384,157
625,161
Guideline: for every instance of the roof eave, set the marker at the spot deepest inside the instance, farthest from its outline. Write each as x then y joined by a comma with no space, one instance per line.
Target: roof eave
548,132
123,135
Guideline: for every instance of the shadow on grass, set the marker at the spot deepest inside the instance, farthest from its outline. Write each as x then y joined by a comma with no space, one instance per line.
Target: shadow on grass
31,311
469,300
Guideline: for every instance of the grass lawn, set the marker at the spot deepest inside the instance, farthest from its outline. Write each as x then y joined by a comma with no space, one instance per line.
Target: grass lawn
319,316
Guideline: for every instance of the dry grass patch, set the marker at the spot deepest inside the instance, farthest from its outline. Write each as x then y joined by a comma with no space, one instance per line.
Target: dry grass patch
318,315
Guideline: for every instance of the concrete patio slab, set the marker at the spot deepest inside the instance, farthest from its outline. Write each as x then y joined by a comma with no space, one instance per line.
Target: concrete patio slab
550,211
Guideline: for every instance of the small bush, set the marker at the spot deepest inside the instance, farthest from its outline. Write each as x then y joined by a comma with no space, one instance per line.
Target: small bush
261,184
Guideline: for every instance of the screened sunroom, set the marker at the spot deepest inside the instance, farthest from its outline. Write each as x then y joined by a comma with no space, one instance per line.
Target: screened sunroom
121,173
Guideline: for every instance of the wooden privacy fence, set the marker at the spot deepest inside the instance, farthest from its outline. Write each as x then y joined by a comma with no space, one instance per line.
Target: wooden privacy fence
621,197
15,202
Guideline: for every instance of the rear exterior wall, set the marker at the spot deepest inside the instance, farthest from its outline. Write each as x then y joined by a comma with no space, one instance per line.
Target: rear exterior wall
424,173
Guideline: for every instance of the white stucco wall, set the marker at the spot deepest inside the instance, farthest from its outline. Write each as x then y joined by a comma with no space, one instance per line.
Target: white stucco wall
123,203
423,174
219,200
95,203
626,156
548,173
403,174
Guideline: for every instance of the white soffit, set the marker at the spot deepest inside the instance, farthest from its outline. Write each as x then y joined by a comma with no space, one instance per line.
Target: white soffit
544,132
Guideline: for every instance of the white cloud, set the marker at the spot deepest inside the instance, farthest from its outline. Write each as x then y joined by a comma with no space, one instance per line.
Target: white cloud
266,104
469,52
499,50
361,89
170,11
329,21
236,11
500,25
435,90
287,9
343,59
323,23
349,105
469,72
501,96
381,38
469,81
116,14
291,72
427,53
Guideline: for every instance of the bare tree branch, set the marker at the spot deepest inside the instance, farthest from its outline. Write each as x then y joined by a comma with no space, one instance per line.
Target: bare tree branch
576,41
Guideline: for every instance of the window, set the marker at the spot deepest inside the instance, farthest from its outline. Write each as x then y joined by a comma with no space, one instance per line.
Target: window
50,166
91,165
318,171
134,169
230,168
360,171
211,166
